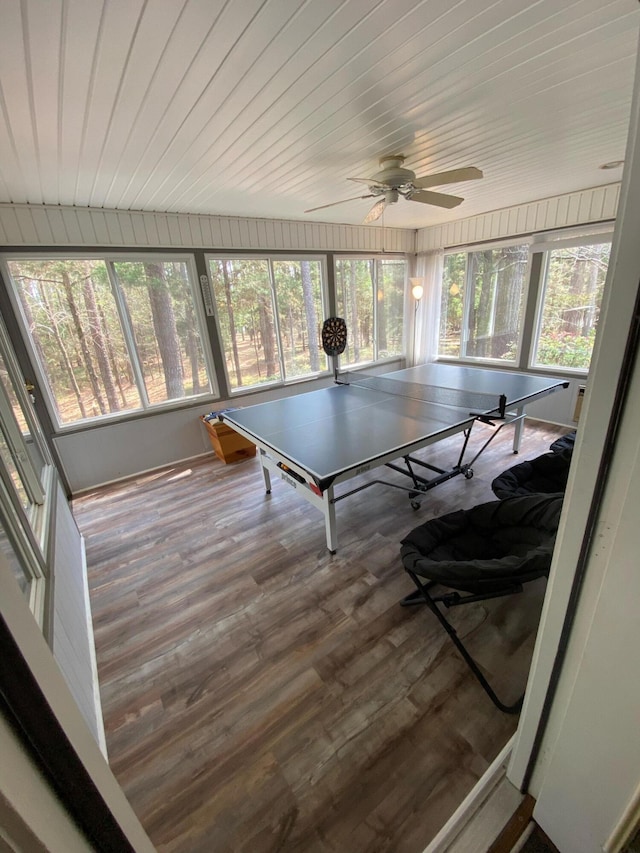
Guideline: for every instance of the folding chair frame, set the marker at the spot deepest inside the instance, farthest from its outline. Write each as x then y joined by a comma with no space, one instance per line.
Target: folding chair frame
453,599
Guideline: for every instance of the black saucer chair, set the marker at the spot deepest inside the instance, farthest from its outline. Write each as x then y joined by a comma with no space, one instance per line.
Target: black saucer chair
546,474
486,552
565,442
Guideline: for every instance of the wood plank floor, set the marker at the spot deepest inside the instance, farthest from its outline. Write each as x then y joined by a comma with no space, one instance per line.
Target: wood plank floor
262,695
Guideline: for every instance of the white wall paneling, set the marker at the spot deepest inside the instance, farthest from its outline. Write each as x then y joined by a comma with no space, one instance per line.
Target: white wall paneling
599,204
558,408
592,752
586,769
72,640
49,225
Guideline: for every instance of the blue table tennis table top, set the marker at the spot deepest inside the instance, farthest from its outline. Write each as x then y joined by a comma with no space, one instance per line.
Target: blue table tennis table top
347,427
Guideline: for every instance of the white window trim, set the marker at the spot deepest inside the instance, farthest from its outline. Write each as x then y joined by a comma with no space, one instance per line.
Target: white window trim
546,249
109,258
568,242
269,257
464,331
363,256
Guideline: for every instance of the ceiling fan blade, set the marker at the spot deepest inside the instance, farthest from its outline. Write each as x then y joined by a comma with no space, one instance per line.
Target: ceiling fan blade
468,173
344,200
372,182
375,212
437,199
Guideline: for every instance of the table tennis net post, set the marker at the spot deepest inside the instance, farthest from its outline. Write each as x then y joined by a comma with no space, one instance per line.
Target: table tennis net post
476,402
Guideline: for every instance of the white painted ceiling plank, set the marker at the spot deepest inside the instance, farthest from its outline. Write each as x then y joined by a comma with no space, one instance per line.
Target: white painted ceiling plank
79,42
160,107
266,108
180,126
146,53
43,22
117,28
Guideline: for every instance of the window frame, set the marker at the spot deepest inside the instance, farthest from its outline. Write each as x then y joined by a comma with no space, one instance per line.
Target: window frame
270,258
466,308
28,530
110,258
363,256
545,248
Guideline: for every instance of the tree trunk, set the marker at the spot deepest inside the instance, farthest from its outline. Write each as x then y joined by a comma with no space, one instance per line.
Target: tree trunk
99,345
113,361
65,364
232,323
480,317
164,324
82,340
310,316
292,335
267,335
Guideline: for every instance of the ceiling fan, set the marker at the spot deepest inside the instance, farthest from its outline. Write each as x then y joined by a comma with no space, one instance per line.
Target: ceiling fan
393,181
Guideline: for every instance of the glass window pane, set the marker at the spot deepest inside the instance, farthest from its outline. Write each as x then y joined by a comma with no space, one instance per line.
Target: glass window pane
390,296
298,287
160,304
73,321
451,307
32,443
355,282
496,282
573,288
7,458
242,290
15,565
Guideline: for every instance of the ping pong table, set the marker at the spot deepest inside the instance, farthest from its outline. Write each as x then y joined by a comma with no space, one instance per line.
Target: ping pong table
319,439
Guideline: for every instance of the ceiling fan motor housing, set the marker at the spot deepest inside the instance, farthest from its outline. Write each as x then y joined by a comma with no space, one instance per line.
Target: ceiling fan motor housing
392,174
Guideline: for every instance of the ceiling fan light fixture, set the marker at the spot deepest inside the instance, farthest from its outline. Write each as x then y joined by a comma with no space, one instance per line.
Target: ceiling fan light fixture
375,212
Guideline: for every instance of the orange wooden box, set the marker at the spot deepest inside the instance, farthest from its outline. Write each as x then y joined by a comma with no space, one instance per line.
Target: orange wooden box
228,444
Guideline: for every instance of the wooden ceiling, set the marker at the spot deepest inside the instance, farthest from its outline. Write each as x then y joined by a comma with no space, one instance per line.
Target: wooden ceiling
266,107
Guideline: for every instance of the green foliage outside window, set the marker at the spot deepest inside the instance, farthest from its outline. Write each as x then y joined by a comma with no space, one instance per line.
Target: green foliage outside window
482,303
111,337
270,314
573,287
370,297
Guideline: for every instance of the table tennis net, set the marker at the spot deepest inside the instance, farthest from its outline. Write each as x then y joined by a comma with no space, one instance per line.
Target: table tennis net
475,402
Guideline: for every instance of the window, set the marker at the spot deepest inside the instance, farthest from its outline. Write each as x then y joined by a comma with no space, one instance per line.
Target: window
571,293
26,476
370,297
482,303
112,336
270,313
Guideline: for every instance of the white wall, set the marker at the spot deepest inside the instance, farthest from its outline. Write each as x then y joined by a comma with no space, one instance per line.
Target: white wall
598,204
51,225
558,408
72,629
591,764
588,767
